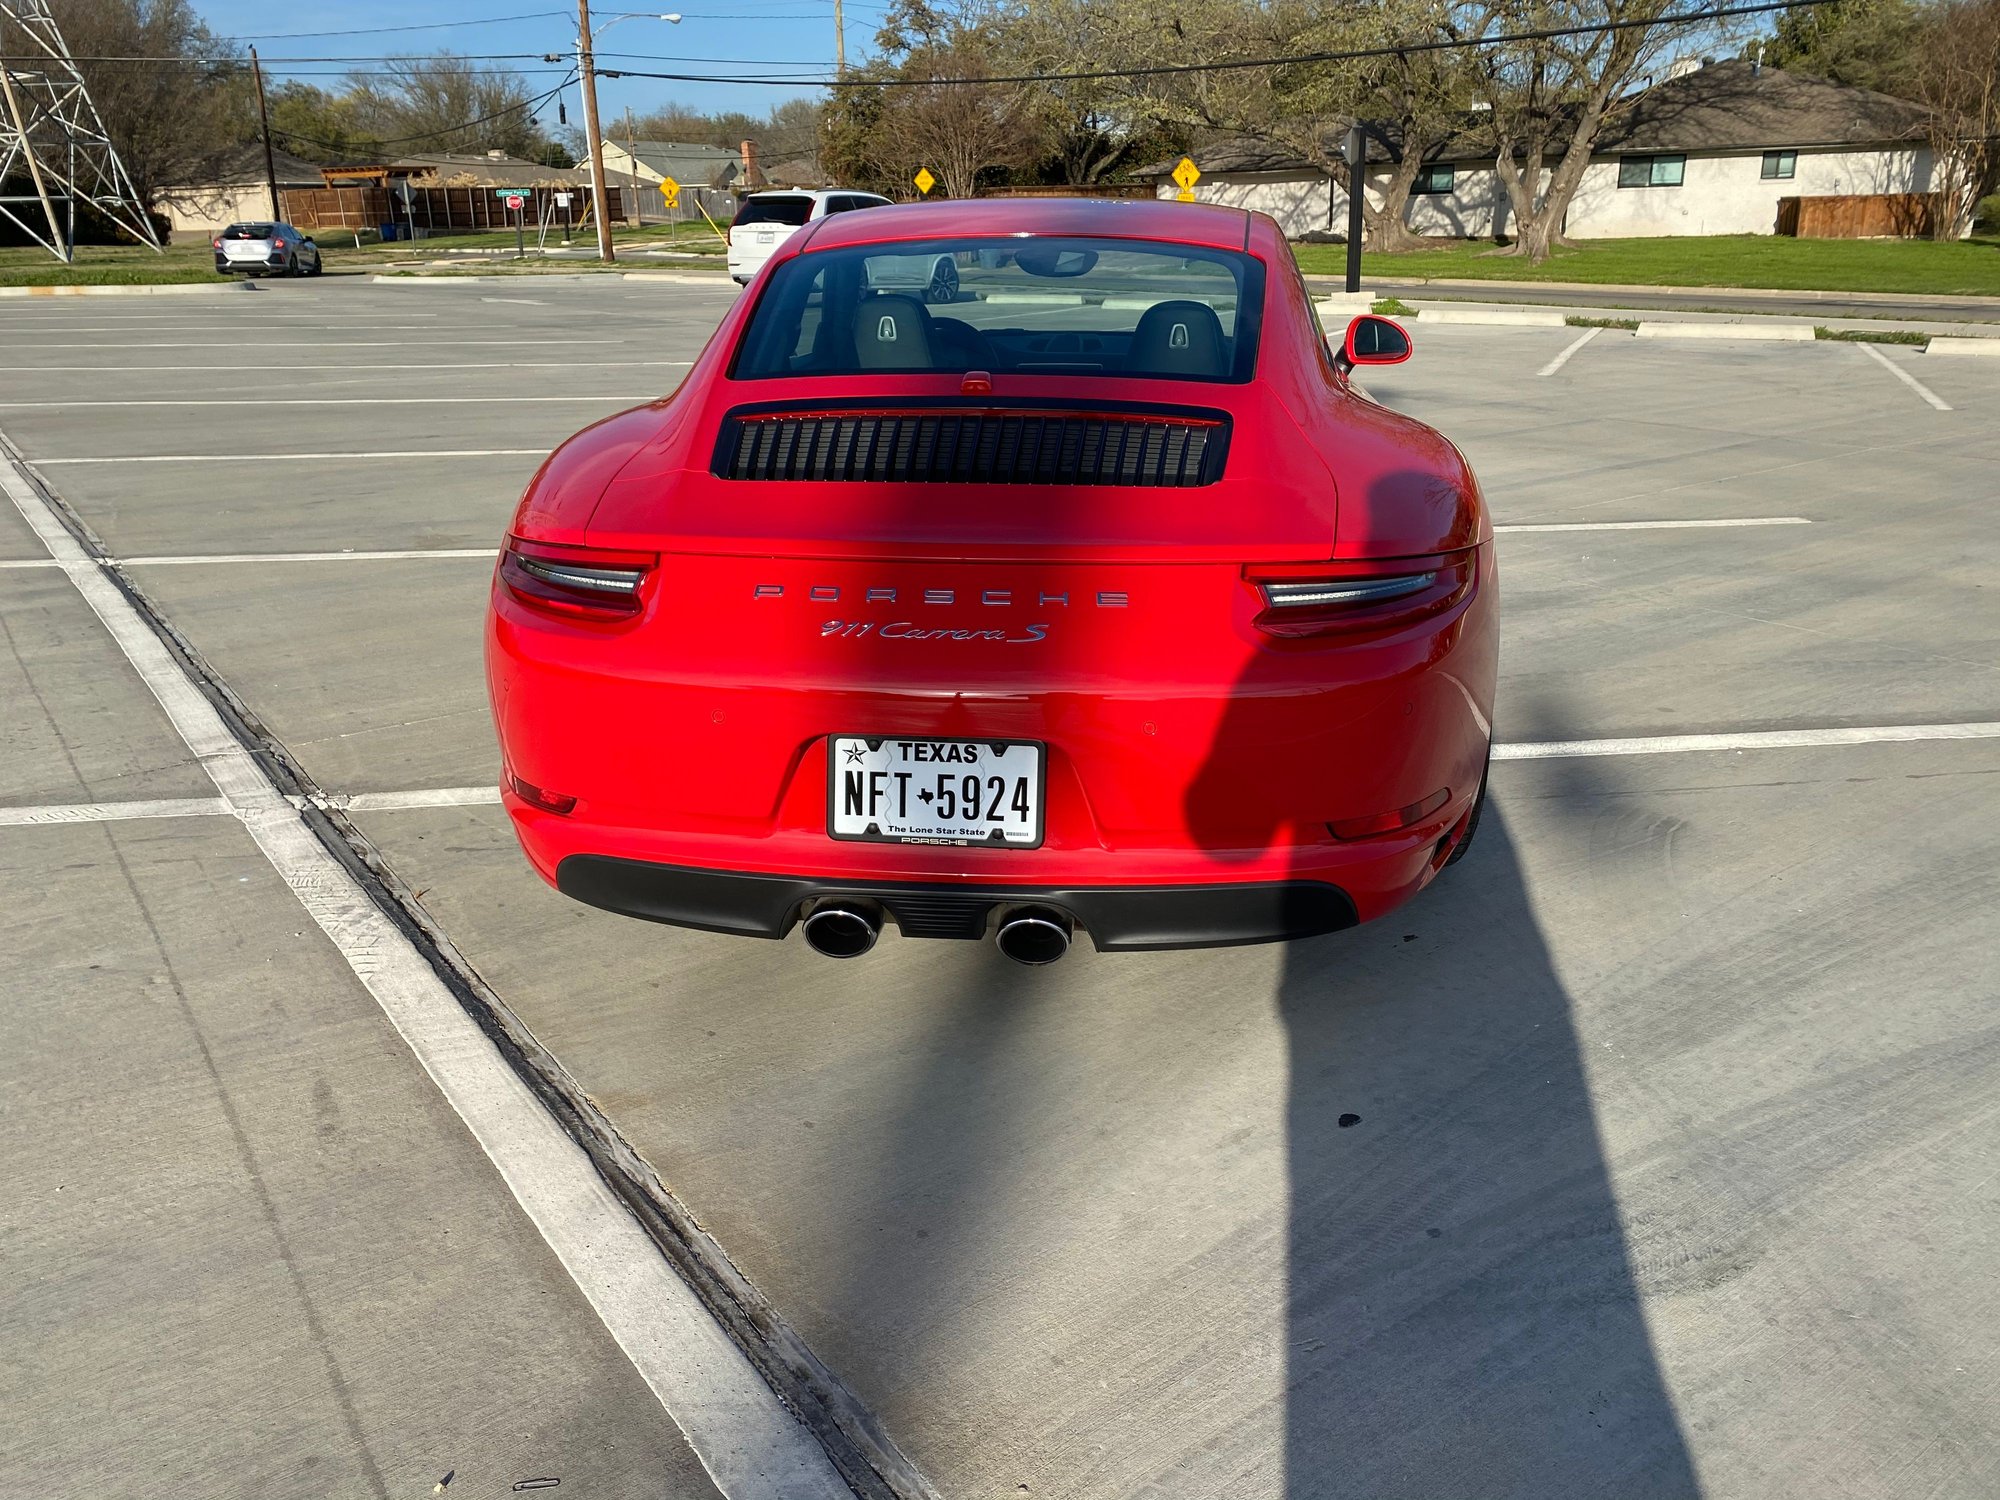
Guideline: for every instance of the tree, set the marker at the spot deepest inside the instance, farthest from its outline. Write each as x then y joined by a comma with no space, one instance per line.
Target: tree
319,126
446,103
1958,80
1549,98
1868,44
925,102
170,121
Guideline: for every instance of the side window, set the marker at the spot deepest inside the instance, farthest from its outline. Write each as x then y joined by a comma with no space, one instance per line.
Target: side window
1435,181
1780,164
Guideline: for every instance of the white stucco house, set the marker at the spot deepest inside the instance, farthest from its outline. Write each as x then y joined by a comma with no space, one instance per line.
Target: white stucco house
235,190
1711,151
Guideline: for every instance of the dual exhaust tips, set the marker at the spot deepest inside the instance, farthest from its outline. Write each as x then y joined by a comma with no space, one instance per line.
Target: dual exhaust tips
1028,934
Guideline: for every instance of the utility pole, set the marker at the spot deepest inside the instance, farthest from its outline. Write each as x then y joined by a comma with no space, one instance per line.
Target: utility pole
632,170
1357,184
264,119
839,43
586,63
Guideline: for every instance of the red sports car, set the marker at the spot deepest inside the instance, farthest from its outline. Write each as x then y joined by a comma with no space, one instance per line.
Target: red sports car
1091,595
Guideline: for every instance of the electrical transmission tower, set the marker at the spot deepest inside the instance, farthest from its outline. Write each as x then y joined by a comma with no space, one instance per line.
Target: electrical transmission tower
52,140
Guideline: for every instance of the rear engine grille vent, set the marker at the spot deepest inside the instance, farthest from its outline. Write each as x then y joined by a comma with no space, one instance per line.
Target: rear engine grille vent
981,447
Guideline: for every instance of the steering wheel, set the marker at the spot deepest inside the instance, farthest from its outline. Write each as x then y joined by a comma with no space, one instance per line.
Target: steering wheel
963,341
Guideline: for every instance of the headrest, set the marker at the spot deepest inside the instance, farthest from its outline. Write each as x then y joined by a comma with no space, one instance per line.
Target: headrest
1179,338
892,333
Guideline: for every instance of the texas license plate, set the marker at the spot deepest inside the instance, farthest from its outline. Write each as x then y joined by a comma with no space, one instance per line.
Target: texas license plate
244,250
914,791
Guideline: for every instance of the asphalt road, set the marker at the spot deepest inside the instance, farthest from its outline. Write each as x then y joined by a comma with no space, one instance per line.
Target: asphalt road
1650,1153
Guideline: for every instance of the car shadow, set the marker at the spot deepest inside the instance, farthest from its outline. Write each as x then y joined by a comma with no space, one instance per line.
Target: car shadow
1462,1315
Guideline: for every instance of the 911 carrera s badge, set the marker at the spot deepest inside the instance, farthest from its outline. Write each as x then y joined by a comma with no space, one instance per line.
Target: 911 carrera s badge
909,630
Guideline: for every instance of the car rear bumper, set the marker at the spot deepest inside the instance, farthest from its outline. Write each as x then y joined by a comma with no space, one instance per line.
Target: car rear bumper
1118,918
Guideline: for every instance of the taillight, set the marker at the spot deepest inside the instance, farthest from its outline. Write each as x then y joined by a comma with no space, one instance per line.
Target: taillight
1393,821
1308,599
218,242
591,583
277,244
541,797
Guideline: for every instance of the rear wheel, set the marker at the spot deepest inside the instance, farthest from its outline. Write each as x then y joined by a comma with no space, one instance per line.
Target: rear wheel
291,265
1472,822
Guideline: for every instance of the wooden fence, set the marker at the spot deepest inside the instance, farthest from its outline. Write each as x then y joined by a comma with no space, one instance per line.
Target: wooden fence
437,210
1859,216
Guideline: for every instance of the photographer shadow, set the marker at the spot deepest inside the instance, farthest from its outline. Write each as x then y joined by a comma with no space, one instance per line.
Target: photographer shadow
1462,1318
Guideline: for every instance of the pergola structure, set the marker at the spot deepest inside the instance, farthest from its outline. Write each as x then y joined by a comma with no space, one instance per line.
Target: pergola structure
52,136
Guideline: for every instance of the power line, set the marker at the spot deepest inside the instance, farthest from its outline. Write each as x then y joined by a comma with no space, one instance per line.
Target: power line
279,36
1291,60
442,130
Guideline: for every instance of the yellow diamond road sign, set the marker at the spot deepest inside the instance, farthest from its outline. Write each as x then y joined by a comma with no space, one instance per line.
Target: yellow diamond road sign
924,181
1186,175
670,191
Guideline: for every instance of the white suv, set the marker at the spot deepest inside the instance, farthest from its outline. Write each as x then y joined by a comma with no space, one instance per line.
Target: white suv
765,221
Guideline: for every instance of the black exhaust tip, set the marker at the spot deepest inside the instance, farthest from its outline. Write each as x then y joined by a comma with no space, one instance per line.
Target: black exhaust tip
1035,935
842,929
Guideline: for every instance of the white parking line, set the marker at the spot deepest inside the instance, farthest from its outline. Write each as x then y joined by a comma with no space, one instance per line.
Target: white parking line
1655,525
376,371
489,796
330,401
749,1443
282,458
1563,358
106,812
1769,739
1903,375
344,344
197,559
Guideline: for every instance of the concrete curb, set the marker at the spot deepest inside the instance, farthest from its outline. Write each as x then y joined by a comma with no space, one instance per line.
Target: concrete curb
680,278
1525,318
166,289
1766,332
1474,284
1947,344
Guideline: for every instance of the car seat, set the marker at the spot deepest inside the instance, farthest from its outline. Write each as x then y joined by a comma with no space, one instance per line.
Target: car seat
892,332
1178,338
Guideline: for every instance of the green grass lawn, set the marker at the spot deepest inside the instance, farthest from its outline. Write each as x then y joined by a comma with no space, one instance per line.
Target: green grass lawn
106,265
1970,267
135,265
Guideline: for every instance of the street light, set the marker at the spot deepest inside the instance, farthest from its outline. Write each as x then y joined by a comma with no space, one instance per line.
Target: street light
586,66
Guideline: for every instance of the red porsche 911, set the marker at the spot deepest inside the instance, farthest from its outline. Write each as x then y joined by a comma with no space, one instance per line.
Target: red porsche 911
1087,595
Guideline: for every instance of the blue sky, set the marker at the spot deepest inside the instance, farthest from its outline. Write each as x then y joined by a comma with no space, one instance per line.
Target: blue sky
758,38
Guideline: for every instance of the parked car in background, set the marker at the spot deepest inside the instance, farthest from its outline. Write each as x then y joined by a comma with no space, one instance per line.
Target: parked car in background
264,248
765,221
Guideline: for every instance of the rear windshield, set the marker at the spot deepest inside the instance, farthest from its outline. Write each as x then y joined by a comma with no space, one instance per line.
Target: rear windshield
1061,306
249,231
793,211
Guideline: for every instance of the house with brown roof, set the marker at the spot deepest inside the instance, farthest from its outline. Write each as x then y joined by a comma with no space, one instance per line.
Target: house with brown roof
1712,149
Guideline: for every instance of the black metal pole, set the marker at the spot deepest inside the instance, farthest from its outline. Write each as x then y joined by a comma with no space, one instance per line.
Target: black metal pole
1357,178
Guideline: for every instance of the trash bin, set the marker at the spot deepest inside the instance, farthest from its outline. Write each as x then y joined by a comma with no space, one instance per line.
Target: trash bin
390,230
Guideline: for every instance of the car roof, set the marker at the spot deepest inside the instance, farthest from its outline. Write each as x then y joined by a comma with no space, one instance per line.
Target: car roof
813,193
1206,224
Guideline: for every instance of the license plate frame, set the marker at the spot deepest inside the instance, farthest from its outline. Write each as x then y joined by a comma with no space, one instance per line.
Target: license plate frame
838,744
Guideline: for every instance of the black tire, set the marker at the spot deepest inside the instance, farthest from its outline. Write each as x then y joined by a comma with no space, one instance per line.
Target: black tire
318,266
1478,807
943,287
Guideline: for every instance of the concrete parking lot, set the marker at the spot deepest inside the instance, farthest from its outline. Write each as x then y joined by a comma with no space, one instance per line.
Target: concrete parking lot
1651,1152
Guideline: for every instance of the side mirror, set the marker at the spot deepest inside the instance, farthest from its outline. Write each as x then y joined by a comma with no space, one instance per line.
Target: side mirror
1373,341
